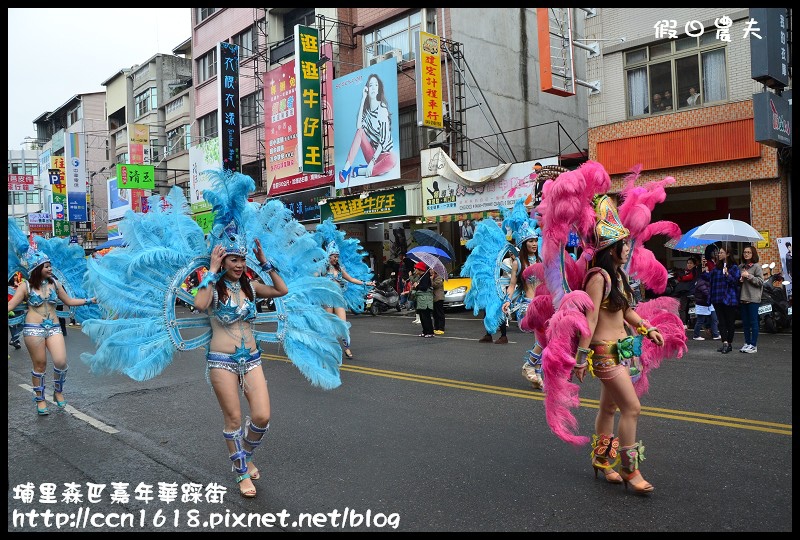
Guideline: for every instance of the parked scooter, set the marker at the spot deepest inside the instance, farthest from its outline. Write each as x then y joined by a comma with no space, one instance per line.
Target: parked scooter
383,297
775,312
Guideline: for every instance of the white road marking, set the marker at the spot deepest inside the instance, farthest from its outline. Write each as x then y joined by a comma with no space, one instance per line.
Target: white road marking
74,412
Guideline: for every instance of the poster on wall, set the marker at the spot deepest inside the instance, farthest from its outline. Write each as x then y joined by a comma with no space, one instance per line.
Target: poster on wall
785,252
366,126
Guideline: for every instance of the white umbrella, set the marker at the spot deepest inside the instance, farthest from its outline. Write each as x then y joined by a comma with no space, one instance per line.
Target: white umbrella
727,230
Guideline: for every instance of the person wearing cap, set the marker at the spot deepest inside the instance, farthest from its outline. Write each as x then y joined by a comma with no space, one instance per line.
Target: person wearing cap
41,331
422,289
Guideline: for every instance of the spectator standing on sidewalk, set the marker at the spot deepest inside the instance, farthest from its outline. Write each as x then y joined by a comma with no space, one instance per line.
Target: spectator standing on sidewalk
437,282
423,297
752,280
725,296
703,307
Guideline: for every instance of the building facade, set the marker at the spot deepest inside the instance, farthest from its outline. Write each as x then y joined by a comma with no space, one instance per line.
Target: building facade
701,134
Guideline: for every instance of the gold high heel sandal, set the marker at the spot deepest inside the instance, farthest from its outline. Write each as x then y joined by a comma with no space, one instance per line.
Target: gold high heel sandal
604,447
642,487
631,457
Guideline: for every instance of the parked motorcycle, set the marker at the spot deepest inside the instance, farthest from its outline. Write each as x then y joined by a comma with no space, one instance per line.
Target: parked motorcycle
383,297
775,311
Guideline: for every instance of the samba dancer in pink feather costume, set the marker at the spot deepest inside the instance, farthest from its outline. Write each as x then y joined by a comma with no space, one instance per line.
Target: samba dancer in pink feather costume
594,326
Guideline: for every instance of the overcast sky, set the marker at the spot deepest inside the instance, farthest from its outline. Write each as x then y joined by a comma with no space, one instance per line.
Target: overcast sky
54,54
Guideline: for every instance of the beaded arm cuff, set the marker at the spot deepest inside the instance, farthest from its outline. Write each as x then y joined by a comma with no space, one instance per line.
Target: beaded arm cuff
208,279
583,357
267,266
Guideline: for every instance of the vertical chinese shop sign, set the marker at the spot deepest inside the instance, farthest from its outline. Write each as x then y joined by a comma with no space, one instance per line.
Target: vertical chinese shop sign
309,119
228,120
60,226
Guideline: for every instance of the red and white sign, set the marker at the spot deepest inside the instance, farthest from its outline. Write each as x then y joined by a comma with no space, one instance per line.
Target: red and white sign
20,182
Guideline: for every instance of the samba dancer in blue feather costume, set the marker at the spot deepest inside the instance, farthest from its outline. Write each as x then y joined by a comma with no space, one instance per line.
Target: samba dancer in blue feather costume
42,292
140,284
344,253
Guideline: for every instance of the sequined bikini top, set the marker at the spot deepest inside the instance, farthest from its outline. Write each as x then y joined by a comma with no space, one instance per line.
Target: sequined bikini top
337,278
35,300
227,312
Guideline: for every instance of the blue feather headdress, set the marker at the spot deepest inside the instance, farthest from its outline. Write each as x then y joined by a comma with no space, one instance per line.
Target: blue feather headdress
522,227
23,252
231,210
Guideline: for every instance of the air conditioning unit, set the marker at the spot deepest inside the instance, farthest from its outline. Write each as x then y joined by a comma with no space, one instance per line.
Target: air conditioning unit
396,53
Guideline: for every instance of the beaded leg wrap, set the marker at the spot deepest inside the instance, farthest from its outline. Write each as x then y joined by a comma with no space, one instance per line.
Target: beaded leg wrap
632,456
605,456
346,343
59,376
39,389
239,454
605,452
253,438
532,368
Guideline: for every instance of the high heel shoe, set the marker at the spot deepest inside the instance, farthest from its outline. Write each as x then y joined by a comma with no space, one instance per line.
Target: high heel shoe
641,487
41,411
631,457
357,169
239,459
611,476
60,404
246,493
59,376
344,175
255,474
38,394
348,353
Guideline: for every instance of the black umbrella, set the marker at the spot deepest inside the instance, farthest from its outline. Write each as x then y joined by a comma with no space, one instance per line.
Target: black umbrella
427,237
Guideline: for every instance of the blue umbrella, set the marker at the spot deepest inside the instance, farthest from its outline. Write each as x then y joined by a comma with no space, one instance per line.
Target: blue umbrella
429,249
688,243
427,237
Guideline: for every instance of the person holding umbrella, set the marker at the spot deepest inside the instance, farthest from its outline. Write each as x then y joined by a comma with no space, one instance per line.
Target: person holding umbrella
725,296
422,289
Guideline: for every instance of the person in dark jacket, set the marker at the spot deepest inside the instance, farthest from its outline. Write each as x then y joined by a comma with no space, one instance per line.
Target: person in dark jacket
725,296
685,287
423,297
703,309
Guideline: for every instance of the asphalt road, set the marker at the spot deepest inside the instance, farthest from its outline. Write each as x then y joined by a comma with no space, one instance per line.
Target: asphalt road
435,435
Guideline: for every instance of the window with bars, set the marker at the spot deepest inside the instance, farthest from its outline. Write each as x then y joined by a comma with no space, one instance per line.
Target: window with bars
399,34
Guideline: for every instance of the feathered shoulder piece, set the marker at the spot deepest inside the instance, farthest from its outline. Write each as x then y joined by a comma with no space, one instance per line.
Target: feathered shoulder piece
351,257
635,212
489,270
307,332
138,286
